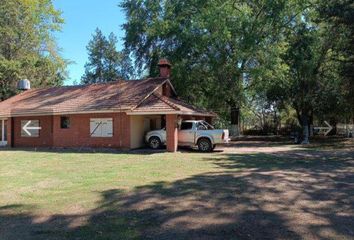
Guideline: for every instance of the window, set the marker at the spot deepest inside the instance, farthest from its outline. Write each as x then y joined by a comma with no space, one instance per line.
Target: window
64,122
186,125
30,128
101,127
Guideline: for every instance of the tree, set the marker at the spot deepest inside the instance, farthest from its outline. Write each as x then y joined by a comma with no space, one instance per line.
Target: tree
27,46
94,69
106,63
339,14
213,44
305,75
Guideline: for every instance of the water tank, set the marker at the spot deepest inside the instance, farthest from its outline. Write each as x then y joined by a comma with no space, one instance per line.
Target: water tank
24,85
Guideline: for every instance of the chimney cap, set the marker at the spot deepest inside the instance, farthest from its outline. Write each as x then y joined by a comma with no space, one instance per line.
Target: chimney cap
24,85
164,62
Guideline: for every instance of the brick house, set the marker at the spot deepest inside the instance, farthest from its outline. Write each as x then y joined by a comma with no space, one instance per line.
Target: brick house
114,115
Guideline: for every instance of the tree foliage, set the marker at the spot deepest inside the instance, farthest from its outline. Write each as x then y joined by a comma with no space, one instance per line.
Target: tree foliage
339,15
27,46
213,44
106,63
310,71
295,53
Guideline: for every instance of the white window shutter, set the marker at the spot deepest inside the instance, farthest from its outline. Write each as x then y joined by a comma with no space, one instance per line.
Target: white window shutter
108,128
101,127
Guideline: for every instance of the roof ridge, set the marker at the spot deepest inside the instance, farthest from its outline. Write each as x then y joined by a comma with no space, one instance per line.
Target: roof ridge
150,93
98,83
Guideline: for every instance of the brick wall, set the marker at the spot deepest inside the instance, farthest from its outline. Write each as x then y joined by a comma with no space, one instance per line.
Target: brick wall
45,138
171,133
9,129
78,135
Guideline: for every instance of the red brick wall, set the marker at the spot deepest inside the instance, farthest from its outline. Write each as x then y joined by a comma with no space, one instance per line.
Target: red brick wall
45,138
171,133
165,71
78,135
9,129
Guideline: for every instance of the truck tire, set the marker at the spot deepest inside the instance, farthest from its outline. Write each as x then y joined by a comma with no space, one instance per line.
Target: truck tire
204,145
154,142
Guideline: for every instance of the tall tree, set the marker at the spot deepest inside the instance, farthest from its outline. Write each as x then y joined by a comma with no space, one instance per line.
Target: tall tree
213,44
305,74
106,63
94,69
27,46
339,14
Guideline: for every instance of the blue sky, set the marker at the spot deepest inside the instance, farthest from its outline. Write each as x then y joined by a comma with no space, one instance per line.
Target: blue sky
82,17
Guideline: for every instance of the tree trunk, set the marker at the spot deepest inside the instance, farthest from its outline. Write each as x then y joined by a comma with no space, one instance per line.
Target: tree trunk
311,125
276,123
235,117
333,123
305,129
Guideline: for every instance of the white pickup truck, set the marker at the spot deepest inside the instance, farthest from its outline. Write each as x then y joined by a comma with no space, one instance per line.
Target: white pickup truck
191,133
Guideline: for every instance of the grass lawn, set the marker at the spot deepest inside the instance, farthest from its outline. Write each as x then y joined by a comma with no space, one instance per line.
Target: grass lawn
248,191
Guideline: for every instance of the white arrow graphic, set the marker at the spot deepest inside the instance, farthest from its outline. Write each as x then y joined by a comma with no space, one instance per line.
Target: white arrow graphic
26,128
329,128
325,130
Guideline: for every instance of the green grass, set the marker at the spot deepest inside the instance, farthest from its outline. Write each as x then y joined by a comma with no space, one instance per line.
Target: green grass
225,195
54,182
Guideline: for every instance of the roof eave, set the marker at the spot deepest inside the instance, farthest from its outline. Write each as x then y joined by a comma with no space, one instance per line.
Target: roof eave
171,112
27,114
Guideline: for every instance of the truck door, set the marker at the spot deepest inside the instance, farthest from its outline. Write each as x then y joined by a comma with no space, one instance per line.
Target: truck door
186,133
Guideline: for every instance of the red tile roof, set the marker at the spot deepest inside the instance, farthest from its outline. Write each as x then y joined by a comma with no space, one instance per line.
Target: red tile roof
134,96
158,103
154,104
112,96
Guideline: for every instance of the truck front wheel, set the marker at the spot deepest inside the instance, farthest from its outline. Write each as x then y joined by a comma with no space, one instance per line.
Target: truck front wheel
155,142
204,145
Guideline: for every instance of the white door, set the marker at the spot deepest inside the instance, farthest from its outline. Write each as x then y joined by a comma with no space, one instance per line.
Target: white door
3,132
186,134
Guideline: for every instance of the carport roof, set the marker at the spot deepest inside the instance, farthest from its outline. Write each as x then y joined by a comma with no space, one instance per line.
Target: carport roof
134,96
156,103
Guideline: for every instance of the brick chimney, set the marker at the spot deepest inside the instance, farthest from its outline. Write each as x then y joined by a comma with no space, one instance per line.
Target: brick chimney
165,68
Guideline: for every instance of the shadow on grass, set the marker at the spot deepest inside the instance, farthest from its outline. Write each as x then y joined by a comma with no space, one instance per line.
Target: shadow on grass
317,142
305,159
140,151
291,195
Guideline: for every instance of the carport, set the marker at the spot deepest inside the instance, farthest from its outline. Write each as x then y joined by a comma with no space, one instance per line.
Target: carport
158,112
